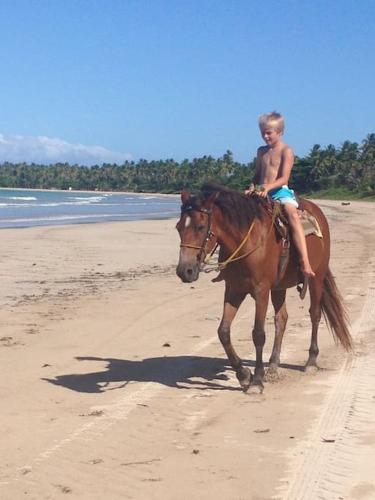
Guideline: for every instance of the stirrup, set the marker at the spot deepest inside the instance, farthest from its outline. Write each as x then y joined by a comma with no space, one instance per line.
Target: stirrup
303,289
218,278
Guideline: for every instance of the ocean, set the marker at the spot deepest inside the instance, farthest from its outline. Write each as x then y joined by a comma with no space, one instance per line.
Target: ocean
27,208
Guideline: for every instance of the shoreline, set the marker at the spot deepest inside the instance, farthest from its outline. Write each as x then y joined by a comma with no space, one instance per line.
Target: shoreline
310,196
54,207
69,224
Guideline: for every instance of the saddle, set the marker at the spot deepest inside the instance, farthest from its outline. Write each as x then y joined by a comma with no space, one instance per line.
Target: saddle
310,226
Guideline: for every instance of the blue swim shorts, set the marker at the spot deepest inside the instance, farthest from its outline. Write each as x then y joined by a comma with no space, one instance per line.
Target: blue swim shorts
284,195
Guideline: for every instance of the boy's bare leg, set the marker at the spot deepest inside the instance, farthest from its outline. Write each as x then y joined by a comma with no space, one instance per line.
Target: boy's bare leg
299,239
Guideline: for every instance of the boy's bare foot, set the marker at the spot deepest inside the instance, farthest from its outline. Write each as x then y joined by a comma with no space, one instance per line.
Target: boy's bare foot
307,270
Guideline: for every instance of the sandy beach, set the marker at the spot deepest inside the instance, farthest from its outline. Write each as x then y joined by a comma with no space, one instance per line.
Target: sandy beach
114,384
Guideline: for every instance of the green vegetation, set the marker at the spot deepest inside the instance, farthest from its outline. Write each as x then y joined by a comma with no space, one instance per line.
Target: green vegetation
344,172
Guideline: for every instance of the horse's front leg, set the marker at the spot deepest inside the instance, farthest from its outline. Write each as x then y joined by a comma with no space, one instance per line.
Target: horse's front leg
259,338
232,302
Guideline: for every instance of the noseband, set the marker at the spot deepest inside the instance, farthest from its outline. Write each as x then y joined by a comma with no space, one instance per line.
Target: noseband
209,235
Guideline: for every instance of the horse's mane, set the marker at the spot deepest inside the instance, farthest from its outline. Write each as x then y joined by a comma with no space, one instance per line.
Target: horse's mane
237,207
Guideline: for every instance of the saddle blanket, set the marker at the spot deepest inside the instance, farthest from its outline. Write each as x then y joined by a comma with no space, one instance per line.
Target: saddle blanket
309,223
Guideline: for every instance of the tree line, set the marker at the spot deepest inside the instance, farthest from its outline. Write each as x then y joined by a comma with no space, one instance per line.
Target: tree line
348,169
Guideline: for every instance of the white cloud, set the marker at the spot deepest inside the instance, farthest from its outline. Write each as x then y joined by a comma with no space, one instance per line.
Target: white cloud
41,149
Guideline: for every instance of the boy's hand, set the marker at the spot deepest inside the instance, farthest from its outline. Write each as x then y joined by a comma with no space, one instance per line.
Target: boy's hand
251,190
262,191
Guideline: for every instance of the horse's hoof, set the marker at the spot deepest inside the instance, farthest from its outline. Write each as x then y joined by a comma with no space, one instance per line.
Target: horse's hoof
311,369
272,375
256,388
245,377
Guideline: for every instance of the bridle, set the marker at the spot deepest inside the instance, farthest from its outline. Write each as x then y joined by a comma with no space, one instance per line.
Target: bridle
202,248
209,234
234,256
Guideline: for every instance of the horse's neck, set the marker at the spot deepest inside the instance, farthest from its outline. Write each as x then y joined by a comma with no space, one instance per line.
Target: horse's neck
231,237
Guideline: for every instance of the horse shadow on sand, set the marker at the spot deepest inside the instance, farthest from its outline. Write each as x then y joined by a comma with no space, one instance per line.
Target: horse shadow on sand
181,372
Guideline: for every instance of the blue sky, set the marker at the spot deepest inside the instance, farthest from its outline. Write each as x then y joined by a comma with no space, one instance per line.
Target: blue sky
93,81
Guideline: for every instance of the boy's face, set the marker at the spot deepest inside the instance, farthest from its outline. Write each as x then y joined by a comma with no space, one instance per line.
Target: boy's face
270,135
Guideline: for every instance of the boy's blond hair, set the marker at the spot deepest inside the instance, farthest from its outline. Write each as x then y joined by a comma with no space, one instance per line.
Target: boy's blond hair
274,120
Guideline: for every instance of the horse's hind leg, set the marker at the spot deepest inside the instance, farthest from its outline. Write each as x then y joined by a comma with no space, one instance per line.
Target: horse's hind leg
231,304
259,338
316,290
281,318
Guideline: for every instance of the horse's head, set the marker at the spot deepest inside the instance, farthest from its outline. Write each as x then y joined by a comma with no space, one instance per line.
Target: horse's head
197,237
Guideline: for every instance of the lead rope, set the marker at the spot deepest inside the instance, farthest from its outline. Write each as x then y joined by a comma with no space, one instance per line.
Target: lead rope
232,258
220,266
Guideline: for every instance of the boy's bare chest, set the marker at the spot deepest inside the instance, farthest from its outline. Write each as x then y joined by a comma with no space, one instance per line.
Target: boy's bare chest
271,160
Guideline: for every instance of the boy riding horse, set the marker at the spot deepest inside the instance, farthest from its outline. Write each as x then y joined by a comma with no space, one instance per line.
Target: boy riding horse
273,167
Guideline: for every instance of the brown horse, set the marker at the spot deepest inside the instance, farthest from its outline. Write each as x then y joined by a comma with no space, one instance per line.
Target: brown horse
250,253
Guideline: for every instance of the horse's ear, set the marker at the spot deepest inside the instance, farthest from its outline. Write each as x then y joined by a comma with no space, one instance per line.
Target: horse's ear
185,195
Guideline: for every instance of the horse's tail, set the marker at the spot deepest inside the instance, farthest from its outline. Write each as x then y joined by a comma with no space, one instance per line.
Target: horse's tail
334,312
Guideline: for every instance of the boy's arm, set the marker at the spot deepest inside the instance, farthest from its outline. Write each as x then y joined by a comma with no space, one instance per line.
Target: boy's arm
258,168
256,178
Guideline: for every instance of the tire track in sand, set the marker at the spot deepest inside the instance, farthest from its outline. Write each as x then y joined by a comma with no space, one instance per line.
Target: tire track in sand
335,454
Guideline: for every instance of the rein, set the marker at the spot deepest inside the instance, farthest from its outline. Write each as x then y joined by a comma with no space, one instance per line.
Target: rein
232,258
273,213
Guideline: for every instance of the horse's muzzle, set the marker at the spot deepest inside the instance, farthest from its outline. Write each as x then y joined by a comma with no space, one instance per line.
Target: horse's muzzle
188,273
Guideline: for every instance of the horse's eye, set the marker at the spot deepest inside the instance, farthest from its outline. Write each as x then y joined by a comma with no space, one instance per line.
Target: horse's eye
200,227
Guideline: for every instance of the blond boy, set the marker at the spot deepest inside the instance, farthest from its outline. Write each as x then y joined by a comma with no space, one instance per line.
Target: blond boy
273,167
